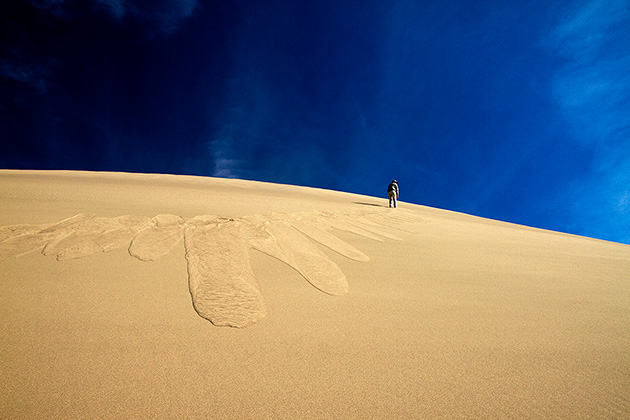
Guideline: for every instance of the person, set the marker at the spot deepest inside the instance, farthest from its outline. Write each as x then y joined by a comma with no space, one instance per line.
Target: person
392,193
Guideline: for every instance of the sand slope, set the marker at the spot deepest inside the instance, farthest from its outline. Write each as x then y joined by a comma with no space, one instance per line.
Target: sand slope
119,290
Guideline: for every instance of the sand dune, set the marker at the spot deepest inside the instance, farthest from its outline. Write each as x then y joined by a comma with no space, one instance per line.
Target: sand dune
345,308
222,284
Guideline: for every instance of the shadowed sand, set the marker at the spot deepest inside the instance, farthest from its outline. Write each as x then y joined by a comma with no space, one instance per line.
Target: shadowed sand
352,310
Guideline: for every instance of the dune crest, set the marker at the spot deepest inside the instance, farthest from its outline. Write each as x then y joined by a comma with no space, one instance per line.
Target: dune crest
221,280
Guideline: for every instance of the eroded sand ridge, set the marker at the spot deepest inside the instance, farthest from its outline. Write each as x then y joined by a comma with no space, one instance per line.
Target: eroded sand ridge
221,280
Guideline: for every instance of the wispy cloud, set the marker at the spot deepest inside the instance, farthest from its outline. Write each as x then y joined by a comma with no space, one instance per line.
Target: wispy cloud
30,67
164,15
159,15
586,29
593,87
600,206
25,72
226,165
242,124
592,91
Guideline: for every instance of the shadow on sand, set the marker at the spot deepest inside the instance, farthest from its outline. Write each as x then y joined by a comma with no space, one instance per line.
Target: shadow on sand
369,204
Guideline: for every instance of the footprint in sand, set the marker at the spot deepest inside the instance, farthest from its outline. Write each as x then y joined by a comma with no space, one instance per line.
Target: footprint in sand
221,280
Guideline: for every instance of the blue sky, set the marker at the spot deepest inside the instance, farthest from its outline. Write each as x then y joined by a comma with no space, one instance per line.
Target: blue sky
512,110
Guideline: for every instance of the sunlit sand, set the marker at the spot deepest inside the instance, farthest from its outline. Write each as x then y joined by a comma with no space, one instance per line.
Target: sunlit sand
156,296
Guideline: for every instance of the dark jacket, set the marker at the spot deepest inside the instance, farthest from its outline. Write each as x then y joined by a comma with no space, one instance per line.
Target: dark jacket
393,187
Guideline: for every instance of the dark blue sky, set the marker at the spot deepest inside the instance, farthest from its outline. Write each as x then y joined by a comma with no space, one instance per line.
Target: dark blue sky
512,110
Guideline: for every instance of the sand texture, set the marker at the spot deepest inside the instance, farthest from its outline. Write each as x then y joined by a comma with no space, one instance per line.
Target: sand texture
158,296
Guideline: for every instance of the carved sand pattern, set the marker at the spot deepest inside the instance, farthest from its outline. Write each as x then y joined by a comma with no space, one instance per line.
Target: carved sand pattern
222,284
157,238
221,280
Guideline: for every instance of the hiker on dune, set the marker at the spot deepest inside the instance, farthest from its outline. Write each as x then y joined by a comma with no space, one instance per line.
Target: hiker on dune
392,193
